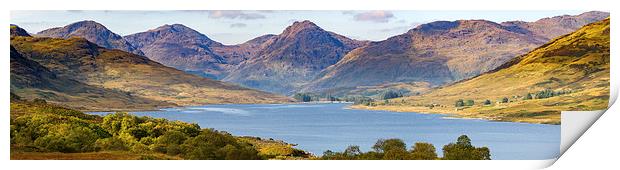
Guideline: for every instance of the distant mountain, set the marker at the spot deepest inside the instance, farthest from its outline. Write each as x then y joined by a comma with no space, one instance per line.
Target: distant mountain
285,62
550,28
440,52
31,80
180,47
93,32
17,31
571,72
85,62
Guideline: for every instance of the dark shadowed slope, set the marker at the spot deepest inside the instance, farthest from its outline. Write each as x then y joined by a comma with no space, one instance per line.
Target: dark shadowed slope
31,80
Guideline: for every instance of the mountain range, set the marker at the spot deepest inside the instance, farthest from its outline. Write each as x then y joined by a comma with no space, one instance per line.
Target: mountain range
569,73
443,52
307,58
80,74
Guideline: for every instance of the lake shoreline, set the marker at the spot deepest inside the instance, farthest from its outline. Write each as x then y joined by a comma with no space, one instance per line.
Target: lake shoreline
463,115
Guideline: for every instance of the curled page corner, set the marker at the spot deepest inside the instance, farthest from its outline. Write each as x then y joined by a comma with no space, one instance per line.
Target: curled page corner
574,124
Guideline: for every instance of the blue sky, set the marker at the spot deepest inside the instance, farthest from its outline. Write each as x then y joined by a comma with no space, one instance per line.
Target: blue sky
233,27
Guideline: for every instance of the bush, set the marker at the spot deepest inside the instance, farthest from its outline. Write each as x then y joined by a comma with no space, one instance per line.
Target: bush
487,102
505,100
463,150
390,95
211,144
68,138
469,102
111,144
423,151
459,103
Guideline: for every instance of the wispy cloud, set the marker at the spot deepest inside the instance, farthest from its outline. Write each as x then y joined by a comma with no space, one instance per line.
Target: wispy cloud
399,29
238,25
374,16
229,14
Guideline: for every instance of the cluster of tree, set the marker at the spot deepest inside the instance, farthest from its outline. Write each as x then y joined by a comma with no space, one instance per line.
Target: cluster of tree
359,100
308,97
389,94
50,128
396,149
547,93
303,97
461,103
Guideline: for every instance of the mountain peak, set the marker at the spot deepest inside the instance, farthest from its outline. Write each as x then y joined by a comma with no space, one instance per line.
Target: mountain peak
304,23
93,32
448,25
86,24
299,26
17,31
175,27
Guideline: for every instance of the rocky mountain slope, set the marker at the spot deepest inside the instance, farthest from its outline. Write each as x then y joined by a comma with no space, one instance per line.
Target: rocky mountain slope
442,52
180,47
93,32
568,73
291,59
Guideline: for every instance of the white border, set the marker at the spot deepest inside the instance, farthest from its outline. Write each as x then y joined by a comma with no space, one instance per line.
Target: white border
595,149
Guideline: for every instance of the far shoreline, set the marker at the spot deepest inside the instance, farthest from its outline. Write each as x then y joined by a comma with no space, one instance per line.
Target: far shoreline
441,112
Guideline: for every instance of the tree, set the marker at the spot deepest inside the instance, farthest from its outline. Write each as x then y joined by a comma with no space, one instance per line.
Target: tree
68,138
469,102
463,150
302,97
423,151
352,151
383,145
390,95
487,102
505,100
459,103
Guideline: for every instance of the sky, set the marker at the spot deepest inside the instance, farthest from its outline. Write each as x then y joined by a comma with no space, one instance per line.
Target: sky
234,27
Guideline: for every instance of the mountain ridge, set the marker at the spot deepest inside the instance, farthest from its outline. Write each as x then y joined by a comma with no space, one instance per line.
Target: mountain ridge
569,73
450,48
89,64
93,32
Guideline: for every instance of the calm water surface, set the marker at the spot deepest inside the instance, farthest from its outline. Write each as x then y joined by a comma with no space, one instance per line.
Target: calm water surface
319,127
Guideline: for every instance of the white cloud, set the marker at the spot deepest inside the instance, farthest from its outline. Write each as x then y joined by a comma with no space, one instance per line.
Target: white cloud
238,25
374,16
230,14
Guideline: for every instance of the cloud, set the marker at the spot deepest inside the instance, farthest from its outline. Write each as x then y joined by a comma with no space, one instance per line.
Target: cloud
374,16
348,12
229,14
238,25
403,28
